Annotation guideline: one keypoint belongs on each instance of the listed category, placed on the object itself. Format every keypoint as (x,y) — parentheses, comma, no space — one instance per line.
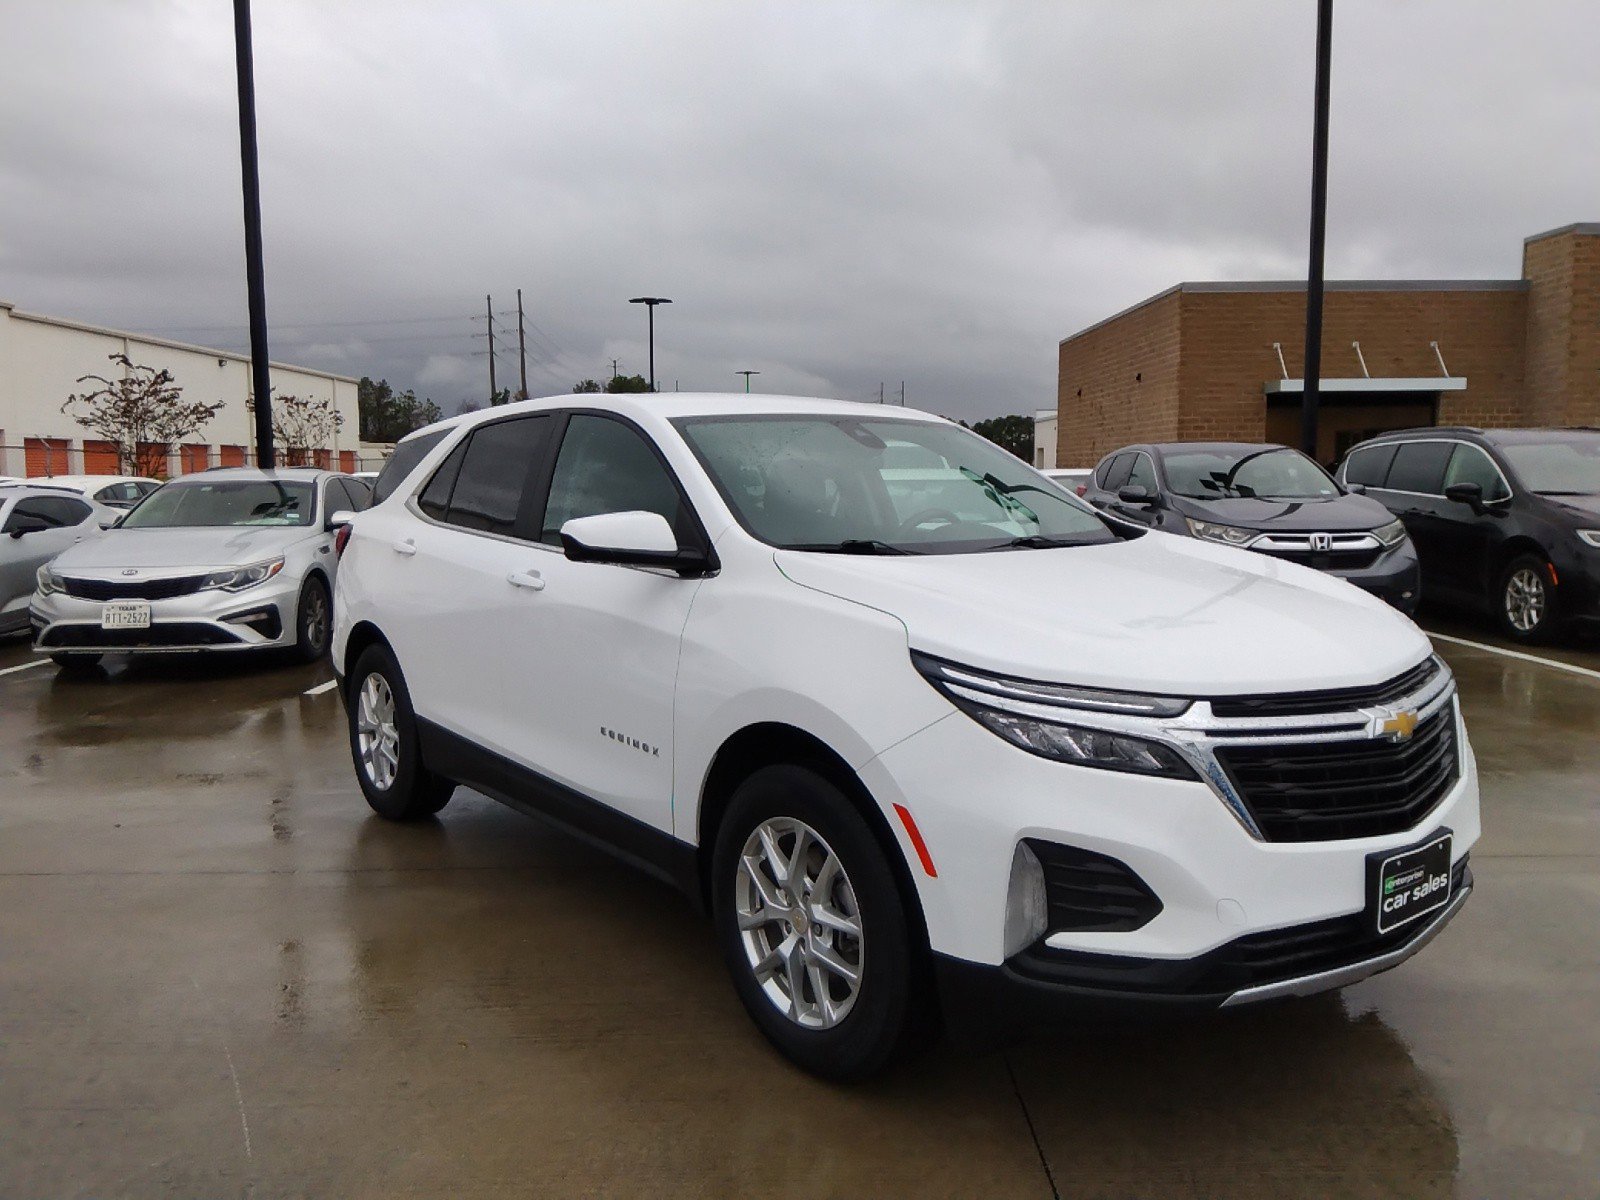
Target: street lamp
(747,375)
(650,303)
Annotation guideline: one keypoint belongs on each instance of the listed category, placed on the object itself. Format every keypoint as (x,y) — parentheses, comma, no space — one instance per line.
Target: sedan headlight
(1592,536)
(236,579)
(1037,717)
(1391,534)
(49,582)
(1228,535)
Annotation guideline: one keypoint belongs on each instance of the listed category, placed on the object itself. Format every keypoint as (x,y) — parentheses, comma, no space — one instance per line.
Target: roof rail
(1427,429)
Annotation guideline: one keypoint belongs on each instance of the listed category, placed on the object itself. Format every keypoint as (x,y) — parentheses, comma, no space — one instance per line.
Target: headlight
(1391,534)
(1037,718)
(1592,536)
(236,579)
(1228,535)
(49,582)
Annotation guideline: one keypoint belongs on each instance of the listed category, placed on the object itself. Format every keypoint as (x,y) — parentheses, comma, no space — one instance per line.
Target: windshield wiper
(1037,541)
(851,546)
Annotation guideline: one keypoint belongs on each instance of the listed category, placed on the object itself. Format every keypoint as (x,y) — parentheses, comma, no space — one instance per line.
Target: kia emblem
(130,571)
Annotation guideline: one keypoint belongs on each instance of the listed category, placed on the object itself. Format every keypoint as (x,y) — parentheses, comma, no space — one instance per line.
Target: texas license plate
(1410,884)
(125,614)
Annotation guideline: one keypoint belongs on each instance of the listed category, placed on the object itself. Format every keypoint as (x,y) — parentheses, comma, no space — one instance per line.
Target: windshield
(1566,465)
(888,487)
(217,502)
(1274,473)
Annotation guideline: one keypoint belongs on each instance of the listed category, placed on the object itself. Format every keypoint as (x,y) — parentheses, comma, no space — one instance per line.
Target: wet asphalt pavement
(220,976)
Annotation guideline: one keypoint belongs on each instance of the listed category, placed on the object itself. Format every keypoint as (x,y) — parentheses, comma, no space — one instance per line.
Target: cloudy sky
(835,194)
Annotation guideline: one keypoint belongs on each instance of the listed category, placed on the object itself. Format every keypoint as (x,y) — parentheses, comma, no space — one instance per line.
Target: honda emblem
(1321,543)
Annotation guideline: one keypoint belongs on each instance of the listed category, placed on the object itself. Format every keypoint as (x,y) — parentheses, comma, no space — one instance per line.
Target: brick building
(1224,361)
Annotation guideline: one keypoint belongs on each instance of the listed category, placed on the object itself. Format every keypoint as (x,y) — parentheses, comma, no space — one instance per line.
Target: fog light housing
(1027,907)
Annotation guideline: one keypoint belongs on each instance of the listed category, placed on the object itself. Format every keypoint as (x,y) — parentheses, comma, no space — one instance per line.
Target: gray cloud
(835,194)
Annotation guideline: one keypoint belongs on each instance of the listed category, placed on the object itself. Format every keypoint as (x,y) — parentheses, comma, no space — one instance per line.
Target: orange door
(347,461)
(45,456)
(153,459)
(101,458)
(322,459)
(232,456)
(195,458)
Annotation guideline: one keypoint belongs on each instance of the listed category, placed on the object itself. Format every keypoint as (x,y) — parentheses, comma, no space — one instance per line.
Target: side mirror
(1138,494)
(1470,494)
(1356,489)
(338,520)
(630,539)
(22,525)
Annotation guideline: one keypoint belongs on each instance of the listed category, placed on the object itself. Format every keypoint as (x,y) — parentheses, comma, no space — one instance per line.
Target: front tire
(384,744)
(313,620)
(812,925)
(76,662)
(1525,600)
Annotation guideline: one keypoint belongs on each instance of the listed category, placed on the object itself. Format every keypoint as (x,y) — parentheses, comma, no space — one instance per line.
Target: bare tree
(302,425)
(143,413)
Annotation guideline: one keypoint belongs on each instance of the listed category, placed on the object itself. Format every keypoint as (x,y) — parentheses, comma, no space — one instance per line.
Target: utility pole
(902,393)
(489,308)
(880,393)
(747,375)
(522,347)
(1310,398)
(255,274)
(613,368)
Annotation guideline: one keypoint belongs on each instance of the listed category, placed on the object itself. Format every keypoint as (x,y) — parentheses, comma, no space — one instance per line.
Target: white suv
(928,736)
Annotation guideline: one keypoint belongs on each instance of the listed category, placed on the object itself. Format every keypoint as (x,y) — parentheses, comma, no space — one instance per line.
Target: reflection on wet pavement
(222,977)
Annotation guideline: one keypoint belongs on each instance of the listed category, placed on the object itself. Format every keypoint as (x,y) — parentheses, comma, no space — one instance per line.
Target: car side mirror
(631,539)
(22,525)
(1138,494)
(1470,494)
(1356,489)
(338,520)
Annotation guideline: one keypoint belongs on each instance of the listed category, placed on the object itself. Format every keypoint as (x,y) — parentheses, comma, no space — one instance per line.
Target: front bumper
(258,617)
(1395,578)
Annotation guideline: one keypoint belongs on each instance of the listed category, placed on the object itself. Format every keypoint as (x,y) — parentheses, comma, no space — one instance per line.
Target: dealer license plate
(1410,884)
(125,614)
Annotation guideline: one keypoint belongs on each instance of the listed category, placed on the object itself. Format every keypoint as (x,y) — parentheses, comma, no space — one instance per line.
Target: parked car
(229,559)
(36,524)
(717,635)
(1261,497)
(116,491)
(1505,521)
(1075,481)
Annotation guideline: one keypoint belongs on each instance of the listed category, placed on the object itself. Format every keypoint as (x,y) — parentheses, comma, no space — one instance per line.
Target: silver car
(234,559)
(36,524)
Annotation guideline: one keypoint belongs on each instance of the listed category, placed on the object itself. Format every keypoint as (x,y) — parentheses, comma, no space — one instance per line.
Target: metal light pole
(1309,398)
(255,278)
(747,375)
(650,303)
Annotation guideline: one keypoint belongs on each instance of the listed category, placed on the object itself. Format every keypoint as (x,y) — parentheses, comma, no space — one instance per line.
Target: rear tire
(1525,601)
(839,1028)
(313,621)
(384,744)
(76,662)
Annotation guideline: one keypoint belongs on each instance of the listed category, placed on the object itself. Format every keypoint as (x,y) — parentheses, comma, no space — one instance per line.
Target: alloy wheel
(316,622)
(1525,600)
(377,735)
(799,923)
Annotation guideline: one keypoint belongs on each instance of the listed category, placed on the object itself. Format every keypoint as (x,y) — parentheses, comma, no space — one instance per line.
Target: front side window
(882,486)
(1117,472)
(1273,473)
(606,467)
(1567,464)
(214,503)
(1143,474)
(55,511)
(1471,465)
(1419,467)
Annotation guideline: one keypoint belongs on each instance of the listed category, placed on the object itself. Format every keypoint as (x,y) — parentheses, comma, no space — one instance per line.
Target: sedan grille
(165,635)
(1313,792)
(132,589)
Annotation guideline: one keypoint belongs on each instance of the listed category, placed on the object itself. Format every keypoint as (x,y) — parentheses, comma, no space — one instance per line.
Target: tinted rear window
(402,462)
(1419,467)
(1369,467)
(494,471)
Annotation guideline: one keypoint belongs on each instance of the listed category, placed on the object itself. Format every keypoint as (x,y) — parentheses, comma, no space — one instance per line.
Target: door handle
(406,547)
(531,580)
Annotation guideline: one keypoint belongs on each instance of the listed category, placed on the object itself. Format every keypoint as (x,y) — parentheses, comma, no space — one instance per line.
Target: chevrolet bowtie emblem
(1398,726)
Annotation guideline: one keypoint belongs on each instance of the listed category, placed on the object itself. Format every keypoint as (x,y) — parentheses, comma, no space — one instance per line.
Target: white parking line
(1533,658)
(43,662)
(321,687)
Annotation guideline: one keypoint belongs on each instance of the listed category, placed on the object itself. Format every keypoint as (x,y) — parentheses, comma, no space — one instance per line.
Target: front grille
(1254,960)
(1321,791)
(1085,890)
(132,589)
(1333,700)
(164,634)
(1329,560)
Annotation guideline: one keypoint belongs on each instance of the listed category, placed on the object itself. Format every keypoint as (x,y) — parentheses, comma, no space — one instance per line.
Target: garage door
(195,458)
(153,459)
(231,456)
(100,458)
(347,461)
(45,456)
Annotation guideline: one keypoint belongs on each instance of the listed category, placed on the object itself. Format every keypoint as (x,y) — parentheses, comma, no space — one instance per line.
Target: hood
(1160,614)
(1328,514)
(1580,508)
(169,551)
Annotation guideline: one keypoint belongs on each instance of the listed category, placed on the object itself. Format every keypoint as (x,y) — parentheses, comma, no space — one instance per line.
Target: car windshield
(224,502)
(882,487)
(1271,473)
(1566,465)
